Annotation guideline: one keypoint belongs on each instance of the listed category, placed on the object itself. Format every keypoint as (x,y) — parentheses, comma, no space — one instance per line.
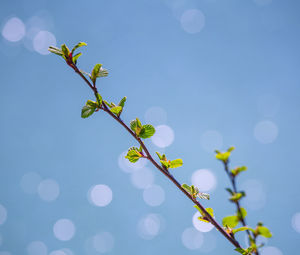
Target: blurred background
(207,74)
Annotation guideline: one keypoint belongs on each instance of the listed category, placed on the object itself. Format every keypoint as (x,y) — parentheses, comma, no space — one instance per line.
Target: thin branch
(150,158)
(237,203)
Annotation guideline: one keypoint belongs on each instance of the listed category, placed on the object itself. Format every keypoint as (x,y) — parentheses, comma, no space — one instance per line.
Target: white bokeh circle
(204,180)
(37,248)
(201,225)
(154,195)
(142,178)
(14,30)
(192,21)
(163,137)
(100,195)
(266,131)
(42,41)
(103,242)
(149,226)
(192,238)
(64,229)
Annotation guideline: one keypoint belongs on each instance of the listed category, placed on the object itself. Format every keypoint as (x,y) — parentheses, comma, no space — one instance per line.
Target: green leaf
(203,216)
(264,231)
(55,50)
(237,170)
(99,99)
(133,155)
(92,103)
(116,110)
(186,187)
(242,214)
(242,251)
(87,111)
(223,156)
(147,131)
(136,126)
(74,59)
(231,149)
(95,72)
(122,102)
(229,190)
(202,195)
(176,163)
(239,229)
(166,164)
(65,50)
(237,196)
(230,221)
(80,44)
(159,156)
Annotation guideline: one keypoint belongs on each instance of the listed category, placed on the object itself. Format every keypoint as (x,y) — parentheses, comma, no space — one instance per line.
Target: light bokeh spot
(129,167)
(266,132)
(149,226)
(142,178)
(270,250)
(3,214)
(37,248)
(192,21)
(42,41)
(192,238)
(30,182)
(103,242)
(204,180)
(13,30)
(48,190)
(156,116)
(64,229)
(100,195)
(296,222)
(163,137)
(154,195)
(211,140)
(201,225)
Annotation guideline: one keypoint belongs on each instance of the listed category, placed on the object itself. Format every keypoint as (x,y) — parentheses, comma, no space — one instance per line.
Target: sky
(208,74)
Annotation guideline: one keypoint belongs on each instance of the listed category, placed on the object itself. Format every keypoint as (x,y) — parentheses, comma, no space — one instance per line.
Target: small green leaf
(95,72)
(176,163)
(264,231)
(75,58)
(80,44)
(136,126)
(231,149)
(87,111)
(65,51)
(241,251)
(229,190)
(122,102)
(133,155)
(242,214)
(203,215)
(237,196)
(239,229)
(238,170)
(186,187)
(159,156)
(223,156)
(92,103)
(55,50)
(166,164)
(202,195)
(230,221)
(116,110)
(147,131)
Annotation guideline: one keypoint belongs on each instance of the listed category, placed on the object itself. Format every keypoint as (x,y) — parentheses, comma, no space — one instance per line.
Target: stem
(237,203)
(150,158)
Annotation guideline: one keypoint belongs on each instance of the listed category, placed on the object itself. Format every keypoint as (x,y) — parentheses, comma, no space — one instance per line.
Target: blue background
(211,80)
